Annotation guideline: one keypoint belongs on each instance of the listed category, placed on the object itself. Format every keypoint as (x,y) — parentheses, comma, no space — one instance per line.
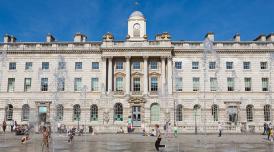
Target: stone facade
(153,81)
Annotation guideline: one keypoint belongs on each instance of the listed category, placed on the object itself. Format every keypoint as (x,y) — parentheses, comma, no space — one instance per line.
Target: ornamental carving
(136,100)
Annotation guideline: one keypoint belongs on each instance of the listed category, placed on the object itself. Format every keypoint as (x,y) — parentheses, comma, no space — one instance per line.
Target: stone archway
(137,112)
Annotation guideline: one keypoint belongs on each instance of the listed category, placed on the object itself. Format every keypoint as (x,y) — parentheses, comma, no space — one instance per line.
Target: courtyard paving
(139,143)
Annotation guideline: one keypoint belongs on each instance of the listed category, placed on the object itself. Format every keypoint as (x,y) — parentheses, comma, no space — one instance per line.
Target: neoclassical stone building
(100,84)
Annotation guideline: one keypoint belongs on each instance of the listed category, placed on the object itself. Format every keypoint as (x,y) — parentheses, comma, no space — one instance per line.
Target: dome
(137,14)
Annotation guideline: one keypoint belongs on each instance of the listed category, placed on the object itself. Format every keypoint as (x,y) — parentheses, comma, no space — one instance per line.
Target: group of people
(13,124)
(268,130)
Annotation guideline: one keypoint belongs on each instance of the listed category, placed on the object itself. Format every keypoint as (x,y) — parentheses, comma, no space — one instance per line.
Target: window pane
(119,84)
(153,65)
(136,65)
(230,84)
(78,65)
(27,85)
(154,84)
(28,66)
(11,84)
(119,65)
(247,84)
(263,65)
(212,65)
(179,84)
(77,84)
(95,65)
(229,65)
(12,66)
(44,84)
(213,84)
(178,65)
(246,65)
(264,84)
(136,84)
(94,84)
(118,112)
(214,112)
(196,83)
(45,65)
(93,113)
(195,65)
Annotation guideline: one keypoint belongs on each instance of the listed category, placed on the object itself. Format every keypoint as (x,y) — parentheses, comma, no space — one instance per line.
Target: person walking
(11,125)
(4,126)
(45,143)
(265,128)
(129,124)
(220,128)
(159,138)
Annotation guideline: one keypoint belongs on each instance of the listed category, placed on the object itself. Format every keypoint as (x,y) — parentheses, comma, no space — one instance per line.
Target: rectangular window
(27,84)
(78,65)
(263,65)
(94,84)
(45,65)
(77,84)
(195,65)
(44,84)
(230,84)
(264,84)
(154,84)
(61,65)
(61,84)
(213,84)
(196,83)
(247,84)
(28,66)
(119,84)
(119,65)
(136,84)
(246,65)
(153,65)
(11,84)
(12,66)
(229,65)
(136,65)
(179,84)
(95,65)
(178,65)
(212,65)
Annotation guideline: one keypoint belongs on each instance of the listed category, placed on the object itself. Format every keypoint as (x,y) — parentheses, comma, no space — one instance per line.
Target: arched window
(179,113)
(59,112)
(155,112)
(267,113)
(93,112)
(249,113)
(25,112)
(118,112)
(197,112)
(9,112)
(76,112)
(215,112)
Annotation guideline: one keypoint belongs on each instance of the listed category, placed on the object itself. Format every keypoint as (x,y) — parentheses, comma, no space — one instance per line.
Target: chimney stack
(261,38)
(237,37)
(78,37)
(270,37)
(50,38)
(210,36)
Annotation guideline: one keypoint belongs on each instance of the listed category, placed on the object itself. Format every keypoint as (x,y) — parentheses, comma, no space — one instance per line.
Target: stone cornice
(122,49)
(225,50)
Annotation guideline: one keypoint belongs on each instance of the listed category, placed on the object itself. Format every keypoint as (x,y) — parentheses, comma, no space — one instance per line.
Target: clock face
(136,26)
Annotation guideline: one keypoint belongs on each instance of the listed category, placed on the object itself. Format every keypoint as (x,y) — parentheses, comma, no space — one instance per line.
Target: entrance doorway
(42,115)
(233,114)
(136,116)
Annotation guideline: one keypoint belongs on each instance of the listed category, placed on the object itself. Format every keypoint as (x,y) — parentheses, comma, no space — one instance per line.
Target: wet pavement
(138,143)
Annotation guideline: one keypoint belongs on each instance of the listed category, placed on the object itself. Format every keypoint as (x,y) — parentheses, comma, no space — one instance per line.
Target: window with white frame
(44,84)
(179,84)
(264,84)
(178,65)
(263,65)
(76,112)
(119,84)
(78,65)
(179,113)
(213,84)
(94,84)
(27,84)
(61,84)
(229,65)
(230,84)
(25,112)
(118,112)
(247,84)
(196,83)
(267,113)
(11,84)
(212,65)
(9,112)
(95,65)
(246,65)
(195,65)
(215,112)
(12,66)
(136,84)
(119,65)
(28,66)
(59,112)
(249,113)
(45,65)
(153,65)
(153,84)
(61,65)
(93,112)
(77,84)
(136,65)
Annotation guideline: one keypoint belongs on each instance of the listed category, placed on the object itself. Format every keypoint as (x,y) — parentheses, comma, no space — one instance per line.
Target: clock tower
(137,27)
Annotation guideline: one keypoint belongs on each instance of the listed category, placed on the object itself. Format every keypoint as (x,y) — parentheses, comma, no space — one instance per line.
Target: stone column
(109,75)
(104,75)
(127,75)
(145,76)
(169,75)
(163,74)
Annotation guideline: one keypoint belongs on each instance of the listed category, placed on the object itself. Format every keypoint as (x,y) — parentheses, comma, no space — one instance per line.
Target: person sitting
(152,133)
(25,138)
(120,131)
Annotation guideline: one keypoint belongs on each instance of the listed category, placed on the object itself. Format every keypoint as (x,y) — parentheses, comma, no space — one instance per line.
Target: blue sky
(31,20)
